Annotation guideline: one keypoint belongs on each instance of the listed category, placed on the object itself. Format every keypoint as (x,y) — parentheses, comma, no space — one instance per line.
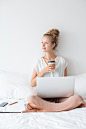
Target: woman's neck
(50,56)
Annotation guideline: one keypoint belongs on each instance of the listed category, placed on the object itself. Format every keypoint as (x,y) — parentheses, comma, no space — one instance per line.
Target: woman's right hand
(49,68)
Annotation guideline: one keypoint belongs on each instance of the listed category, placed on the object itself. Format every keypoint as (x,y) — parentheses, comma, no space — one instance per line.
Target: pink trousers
(57,104)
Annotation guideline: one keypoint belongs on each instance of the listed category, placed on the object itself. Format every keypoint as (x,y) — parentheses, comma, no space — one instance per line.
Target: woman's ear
(53,45)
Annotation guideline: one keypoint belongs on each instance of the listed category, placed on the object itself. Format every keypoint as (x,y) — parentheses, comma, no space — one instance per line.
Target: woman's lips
(43,48)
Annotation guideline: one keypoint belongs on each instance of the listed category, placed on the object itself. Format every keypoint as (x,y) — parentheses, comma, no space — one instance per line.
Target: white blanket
(72,119)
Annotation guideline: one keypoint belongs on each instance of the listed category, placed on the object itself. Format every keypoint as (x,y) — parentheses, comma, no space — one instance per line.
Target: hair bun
(54,32)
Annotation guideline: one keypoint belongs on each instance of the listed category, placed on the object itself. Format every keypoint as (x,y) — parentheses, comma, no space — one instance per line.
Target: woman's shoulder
(61,59)
(39,60)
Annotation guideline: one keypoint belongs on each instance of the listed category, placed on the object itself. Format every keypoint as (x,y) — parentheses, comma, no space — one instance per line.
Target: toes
(29,107)
(25,111)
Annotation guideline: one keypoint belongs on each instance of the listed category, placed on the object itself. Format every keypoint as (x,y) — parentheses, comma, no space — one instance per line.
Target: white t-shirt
(60,66)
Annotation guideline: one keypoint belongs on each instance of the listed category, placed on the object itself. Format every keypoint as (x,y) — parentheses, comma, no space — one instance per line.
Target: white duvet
(72,119)
(17,86)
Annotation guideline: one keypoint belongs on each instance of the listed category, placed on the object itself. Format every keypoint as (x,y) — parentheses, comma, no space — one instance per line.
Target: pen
(13,103)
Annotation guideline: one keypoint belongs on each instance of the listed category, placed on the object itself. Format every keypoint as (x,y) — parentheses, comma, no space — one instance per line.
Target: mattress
(72,119)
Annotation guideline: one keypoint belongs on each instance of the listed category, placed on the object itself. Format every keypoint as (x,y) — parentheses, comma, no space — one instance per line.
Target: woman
(42,69)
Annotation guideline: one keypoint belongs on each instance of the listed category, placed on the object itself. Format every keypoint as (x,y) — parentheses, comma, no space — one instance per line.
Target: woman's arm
(43,71)
(65,74)
(34,76)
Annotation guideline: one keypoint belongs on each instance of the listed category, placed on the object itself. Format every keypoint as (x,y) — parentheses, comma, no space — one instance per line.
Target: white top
(60,66)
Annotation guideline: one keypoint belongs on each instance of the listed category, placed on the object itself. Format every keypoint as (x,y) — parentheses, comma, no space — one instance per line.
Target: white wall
(23,23)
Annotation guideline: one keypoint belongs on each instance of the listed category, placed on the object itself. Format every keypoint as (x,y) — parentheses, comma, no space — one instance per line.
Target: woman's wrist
(41,73)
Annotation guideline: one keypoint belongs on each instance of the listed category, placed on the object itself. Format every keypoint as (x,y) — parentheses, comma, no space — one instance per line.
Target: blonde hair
(54,34)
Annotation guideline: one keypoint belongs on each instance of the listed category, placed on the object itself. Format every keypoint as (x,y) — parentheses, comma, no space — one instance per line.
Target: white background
(23,23)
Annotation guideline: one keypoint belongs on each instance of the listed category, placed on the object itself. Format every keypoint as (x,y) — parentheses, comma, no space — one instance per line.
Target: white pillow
(15,85)
(80,85)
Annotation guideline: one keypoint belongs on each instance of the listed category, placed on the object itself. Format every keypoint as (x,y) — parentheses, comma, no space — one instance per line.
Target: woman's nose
(43,44)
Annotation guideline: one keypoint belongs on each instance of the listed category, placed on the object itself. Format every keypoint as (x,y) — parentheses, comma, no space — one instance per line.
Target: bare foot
(27,110)
(29,107)
(34,110)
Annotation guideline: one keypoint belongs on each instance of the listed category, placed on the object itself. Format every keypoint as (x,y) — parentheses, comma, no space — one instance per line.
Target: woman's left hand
(36,92)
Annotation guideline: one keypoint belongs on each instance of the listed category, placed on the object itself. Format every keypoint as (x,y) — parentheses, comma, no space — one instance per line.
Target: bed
(17,87)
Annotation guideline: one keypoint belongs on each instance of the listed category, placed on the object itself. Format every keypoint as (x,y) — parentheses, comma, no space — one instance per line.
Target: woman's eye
(45,42)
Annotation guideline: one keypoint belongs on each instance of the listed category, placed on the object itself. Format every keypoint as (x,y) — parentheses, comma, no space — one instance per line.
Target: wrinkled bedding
(72,119)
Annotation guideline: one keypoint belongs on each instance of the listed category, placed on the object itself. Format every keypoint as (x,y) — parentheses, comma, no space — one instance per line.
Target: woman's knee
(31,98)
(78,97)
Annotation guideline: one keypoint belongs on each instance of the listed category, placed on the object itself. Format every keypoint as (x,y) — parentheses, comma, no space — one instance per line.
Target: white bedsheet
(72,119)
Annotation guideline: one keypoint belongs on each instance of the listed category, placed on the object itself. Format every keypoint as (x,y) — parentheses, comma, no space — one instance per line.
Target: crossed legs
(31,107)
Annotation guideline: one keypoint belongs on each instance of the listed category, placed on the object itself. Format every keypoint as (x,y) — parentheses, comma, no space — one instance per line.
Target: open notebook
(14,108)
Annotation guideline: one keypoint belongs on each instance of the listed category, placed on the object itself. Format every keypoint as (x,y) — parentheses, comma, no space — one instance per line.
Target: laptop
(53,87)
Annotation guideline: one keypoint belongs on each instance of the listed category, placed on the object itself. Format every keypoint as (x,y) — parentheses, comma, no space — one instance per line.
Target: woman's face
(46,44)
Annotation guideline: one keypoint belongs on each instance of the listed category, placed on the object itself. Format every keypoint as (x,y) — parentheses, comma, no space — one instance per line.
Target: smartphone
(3,104)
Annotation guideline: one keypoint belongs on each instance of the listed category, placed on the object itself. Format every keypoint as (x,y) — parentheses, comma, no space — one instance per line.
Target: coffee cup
(50,64)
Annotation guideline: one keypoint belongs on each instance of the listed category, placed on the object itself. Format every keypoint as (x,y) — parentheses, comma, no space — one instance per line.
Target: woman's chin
(43,50)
